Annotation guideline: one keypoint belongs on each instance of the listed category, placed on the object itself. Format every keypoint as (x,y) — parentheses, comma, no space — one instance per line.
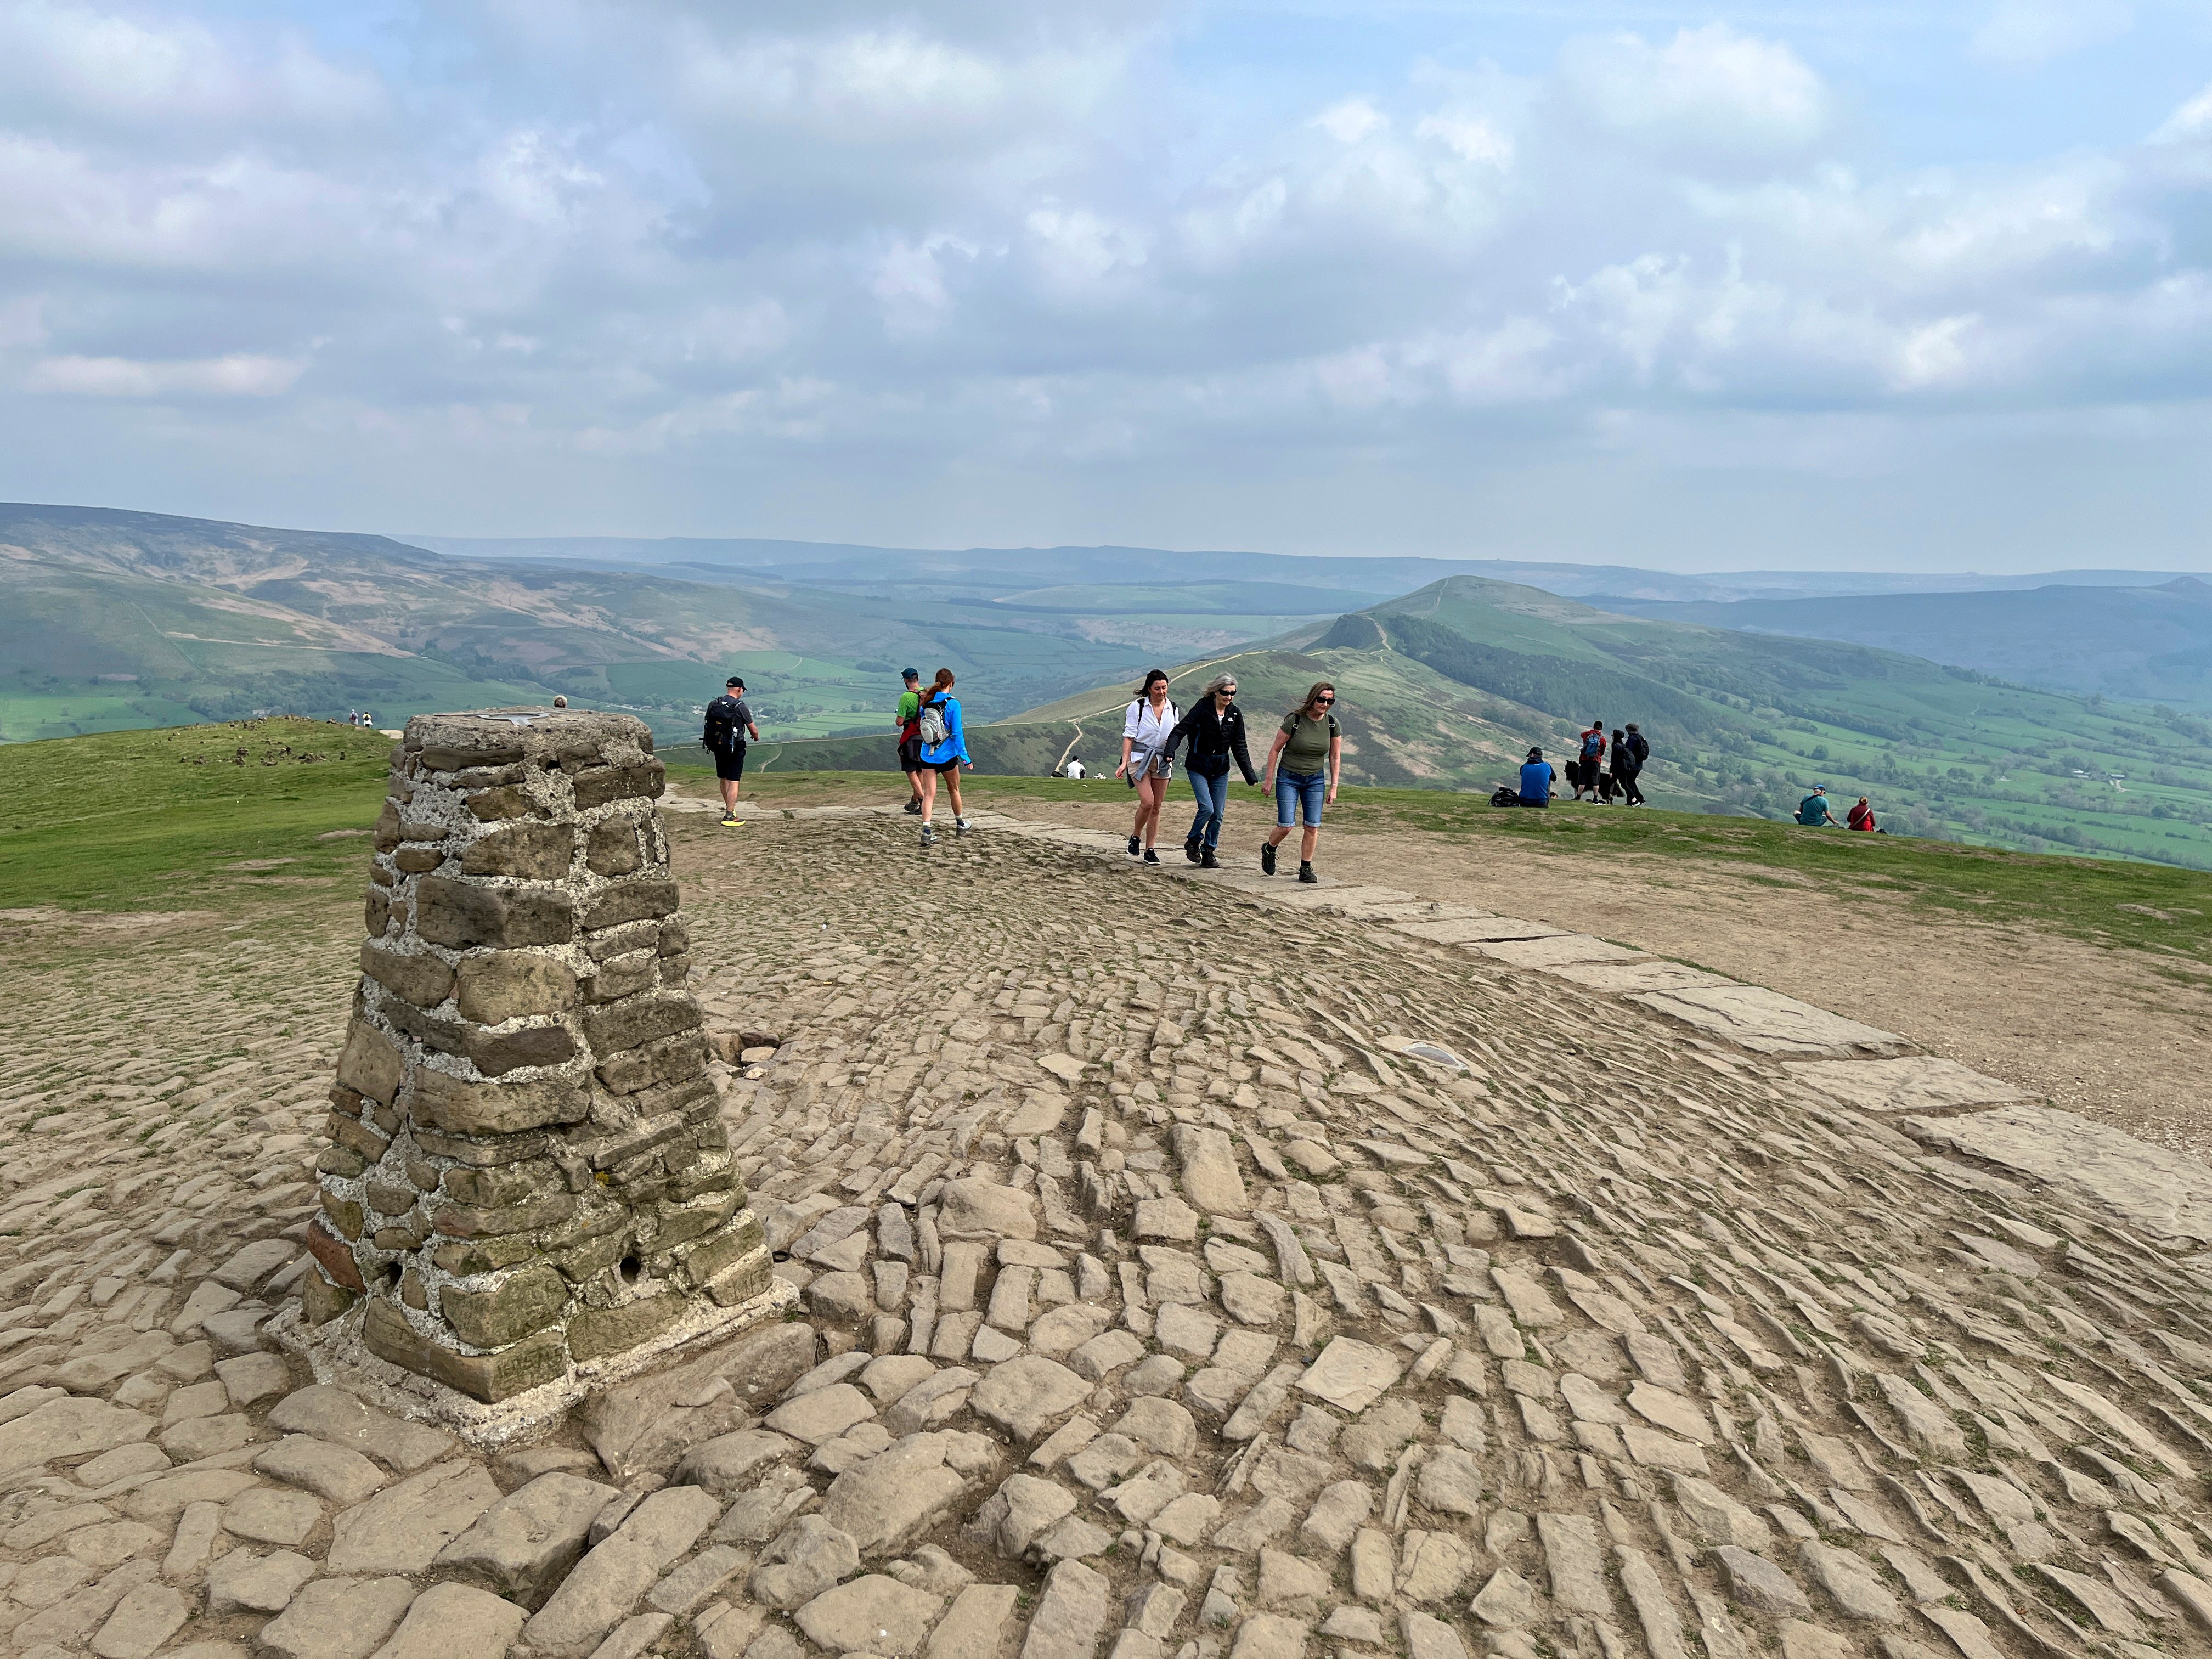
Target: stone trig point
(530,1192)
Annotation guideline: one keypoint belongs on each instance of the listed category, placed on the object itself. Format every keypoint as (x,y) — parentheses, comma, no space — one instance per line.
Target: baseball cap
(909,674)
(734,680)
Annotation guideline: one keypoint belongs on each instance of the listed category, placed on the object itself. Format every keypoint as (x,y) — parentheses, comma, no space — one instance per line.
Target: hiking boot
(1209,862)
(1135,847)
(1191,850)
(1307,876)
(928,836)
(960,826)
(1150,857)
(914,807)
(1266,858)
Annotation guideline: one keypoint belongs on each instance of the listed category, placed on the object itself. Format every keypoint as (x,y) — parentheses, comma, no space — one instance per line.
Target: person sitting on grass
(1813,811)
(1537,777)
(1860,817)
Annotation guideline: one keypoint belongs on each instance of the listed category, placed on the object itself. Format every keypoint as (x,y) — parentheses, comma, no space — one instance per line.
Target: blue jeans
(1212,795)
(1296,789)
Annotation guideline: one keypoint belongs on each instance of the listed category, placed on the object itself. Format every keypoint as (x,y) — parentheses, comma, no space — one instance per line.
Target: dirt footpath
(2097,1030)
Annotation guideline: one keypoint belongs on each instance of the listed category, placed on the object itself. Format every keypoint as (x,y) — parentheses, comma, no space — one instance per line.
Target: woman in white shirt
(1144,762)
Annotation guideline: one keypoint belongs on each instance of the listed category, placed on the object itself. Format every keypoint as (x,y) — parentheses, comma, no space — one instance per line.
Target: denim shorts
(1294,789)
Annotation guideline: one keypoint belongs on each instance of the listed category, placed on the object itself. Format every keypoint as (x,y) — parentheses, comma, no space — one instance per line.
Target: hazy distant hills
(2153,644)
(1009,569)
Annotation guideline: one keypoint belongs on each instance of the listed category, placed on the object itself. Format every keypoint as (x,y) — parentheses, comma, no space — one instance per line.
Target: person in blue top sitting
(943,752)
(1813,811)
(1537,777)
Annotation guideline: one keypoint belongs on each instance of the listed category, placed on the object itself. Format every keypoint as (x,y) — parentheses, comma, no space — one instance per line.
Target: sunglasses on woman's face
(1323,702)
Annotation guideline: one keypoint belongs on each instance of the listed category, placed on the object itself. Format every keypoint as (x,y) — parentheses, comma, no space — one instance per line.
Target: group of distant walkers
(1600,769)
(1302,770)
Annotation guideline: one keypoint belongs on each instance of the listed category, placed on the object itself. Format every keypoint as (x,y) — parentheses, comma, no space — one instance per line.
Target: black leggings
(1628,789)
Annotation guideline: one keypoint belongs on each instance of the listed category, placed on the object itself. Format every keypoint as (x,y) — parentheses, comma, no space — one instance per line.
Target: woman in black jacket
(1216,730)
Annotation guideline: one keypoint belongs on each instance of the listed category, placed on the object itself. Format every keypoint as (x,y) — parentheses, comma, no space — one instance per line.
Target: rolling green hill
(2152,644)
(111,620)
(1446,687)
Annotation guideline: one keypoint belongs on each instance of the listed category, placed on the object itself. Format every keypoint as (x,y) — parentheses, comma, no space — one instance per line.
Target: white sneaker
(960,826)
(928,836)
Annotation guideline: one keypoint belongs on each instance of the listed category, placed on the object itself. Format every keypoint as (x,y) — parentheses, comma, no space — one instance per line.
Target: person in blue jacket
(1537,777)
(943,752)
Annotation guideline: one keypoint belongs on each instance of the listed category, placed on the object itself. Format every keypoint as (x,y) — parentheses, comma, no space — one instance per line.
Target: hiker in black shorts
(908,719)
(729,723)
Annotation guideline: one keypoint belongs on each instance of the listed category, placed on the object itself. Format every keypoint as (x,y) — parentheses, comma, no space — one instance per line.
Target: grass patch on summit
(172,819)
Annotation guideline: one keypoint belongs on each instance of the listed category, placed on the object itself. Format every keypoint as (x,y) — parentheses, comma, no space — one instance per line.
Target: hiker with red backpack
(908,719)
(1588,757)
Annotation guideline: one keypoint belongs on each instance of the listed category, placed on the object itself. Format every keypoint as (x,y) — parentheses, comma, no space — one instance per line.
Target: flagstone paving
(1190,1264)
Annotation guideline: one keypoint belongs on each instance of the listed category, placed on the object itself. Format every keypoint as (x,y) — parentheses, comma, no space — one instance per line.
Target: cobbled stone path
(1190,1268)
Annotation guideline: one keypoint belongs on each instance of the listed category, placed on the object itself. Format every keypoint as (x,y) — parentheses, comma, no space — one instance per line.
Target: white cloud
(2192,120)
(148,72)
(240,376)
(1709,85)
(1351,120)
(671,242)
(2020,33)
(1470,137)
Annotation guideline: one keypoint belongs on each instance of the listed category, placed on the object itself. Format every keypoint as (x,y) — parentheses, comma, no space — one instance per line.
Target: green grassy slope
(187,818)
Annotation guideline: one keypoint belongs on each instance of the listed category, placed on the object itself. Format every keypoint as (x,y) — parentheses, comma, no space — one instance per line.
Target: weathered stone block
(487,1376)
(422,979)
(387,827)
(443,757)
(469,1221)
(417,860)
(481,1255)
(465,1108)
(624,976)
(511,985)
(536,852)
(335,1255)
(523,1302)
(655,1062)
(510,1184)
(492,805)
(370,1064)
(613,848)
(498,1053)
(599,785)
(376,913)
(594,1332)
(461,915)
(616,1027)
(634,901)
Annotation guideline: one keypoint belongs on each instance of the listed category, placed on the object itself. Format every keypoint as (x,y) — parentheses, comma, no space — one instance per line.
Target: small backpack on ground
(1502,796)
(930,725)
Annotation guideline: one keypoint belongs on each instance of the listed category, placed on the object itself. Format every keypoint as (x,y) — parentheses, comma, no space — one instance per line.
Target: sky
(1867,285)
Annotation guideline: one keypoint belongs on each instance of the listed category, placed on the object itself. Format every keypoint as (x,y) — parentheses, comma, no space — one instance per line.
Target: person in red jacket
(1861,816)
(1589,758)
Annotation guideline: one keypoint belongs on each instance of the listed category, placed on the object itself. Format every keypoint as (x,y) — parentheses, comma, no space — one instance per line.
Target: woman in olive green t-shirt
(1308,742)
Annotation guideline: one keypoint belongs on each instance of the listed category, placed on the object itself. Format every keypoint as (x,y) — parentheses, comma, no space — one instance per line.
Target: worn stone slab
(1619,978)
(1767,1023)
(403,1528)
(1479,930)
(2167,1192)
(1557,951)
(449,1620)
(337,1619)
(1913,1083)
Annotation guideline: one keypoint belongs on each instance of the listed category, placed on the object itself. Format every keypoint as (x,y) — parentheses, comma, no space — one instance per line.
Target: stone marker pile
(529,1172)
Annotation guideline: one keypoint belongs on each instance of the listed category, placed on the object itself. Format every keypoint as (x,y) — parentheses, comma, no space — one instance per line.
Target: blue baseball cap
(909,674)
